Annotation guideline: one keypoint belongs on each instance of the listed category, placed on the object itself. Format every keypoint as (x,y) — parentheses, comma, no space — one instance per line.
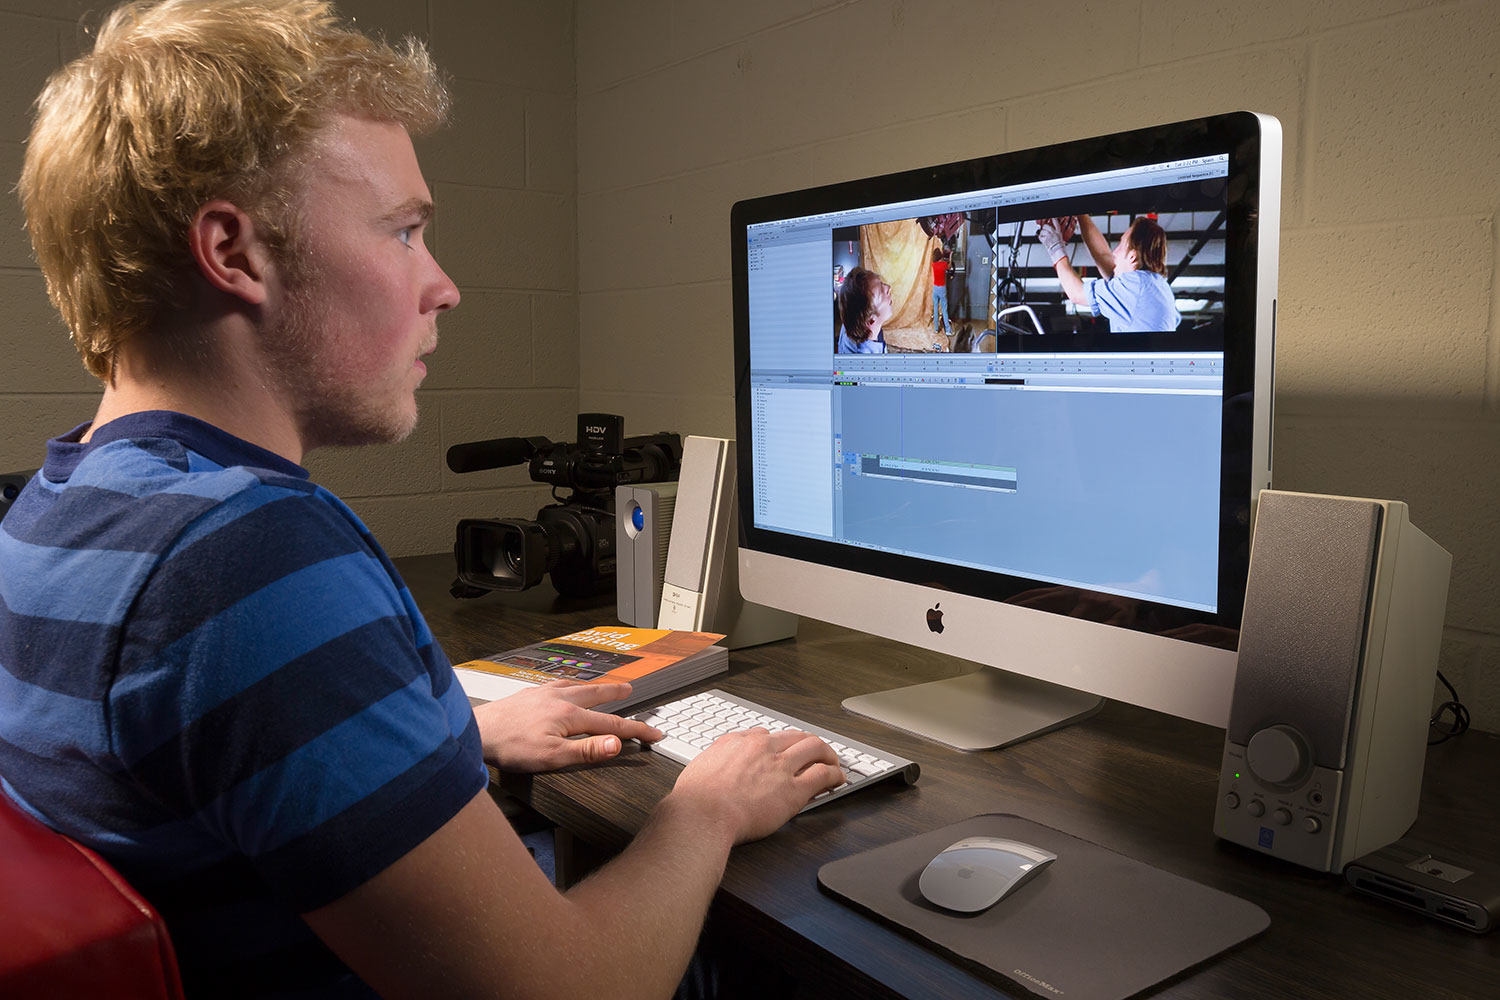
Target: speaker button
(1311,824)
(1232,800)
(1256,807)
(1277,755)
(1282,817)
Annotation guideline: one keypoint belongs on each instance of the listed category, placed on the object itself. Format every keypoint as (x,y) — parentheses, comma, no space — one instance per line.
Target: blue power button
(638,518)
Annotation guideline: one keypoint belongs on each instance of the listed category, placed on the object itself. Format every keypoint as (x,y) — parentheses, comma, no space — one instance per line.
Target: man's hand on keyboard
(758,779)
(530,730)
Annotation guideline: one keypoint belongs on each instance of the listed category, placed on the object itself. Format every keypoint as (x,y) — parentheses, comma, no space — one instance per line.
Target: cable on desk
(1460,723)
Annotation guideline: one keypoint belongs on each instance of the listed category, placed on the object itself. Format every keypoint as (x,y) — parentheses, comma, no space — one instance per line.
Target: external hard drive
(1445,886)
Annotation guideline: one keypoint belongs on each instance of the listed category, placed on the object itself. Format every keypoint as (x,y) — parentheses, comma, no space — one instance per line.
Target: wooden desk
(1132,780)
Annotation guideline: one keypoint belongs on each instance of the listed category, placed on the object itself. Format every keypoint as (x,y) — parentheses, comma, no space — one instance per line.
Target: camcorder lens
(514,552)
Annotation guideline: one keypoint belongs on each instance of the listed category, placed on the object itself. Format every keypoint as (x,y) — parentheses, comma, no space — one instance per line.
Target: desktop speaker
(11,485)
(643,526)
(701,588)
(1333,687)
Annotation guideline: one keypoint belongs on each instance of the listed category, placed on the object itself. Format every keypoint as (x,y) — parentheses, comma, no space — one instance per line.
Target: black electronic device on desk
(573,539)
(1446,886)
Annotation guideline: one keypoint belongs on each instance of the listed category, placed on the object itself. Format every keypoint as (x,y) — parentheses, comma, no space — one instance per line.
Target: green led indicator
(1236,774)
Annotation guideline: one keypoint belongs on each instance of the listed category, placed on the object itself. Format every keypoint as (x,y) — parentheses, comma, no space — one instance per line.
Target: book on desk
(653,661)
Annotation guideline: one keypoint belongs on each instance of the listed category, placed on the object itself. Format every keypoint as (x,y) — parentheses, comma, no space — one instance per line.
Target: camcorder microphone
(496,453)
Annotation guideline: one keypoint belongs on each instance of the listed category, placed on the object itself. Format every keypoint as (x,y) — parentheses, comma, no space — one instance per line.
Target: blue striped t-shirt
(211,674)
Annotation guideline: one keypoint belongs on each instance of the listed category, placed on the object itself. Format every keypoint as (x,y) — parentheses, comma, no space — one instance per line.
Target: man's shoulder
(152,512)
(1129,279)
(156,452)
(144,495)
(1121,286)
(164,465)
(1140,280)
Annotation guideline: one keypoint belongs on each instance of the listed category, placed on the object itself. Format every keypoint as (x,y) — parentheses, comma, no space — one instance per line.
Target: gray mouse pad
(1092,925)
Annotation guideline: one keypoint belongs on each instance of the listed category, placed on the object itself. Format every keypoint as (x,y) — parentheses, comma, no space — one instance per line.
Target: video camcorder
(573,539)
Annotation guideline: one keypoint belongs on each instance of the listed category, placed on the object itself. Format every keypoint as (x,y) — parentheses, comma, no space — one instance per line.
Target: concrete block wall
(584,197)
(503,178)
(1389,363)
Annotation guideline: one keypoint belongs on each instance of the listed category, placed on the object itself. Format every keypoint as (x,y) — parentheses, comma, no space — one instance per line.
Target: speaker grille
(1306,609)
(665,505)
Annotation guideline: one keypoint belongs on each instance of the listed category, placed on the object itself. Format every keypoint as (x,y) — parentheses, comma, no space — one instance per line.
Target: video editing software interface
(1008,428)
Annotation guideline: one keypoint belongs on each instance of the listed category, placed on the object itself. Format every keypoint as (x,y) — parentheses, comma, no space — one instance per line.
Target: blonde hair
(181,102)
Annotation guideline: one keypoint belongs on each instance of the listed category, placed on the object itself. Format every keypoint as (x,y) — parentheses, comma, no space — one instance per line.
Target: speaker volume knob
(1277,755)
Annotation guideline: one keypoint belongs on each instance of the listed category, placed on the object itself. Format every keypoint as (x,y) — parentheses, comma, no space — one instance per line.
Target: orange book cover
(602,654)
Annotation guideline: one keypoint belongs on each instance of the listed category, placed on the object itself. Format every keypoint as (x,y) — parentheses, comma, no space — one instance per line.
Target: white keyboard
(690,724)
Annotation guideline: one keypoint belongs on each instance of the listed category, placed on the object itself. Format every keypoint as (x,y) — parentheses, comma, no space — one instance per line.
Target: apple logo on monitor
(935,617)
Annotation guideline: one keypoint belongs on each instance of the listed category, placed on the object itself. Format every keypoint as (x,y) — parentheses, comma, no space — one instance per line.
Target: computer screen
(1017,408)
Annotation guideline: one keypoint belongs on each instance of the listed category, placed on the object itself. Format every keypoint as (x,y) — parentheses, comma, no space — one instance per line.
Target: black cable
(1460,722)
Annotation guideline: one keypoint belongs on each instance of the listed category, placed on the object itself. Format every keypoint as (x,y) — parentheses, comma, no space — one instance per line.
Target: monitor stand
(983,710)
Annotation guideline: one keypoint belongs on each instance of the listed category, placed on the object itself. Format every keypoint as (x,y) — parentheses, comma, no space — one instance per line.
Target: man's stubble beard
(303,364)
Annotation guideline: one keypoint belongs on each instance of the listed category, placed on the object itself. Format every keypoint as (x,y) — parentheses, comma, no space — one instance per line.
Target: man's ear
(230,254)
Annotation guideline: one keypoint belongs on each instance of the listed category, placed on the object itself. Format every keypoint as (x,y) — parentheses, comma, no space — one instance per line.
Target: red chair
(70,926)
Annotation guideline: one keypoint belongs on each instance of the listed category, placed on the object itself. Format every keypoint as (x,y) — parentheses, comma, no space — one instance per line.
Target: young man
(1133,294)
(864,305)
(211,672)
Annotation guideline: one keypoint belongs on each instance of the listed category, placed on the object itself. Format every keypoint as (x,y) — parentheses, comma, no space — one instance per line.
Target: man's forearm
(1072,284)
(1104,257)
(680,853)
(743,787)
(468,914)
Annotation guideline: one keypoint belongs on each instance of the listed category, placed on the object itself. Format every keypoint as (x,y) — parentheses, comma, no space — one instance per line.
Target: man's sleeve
(1108,297)
(274,690)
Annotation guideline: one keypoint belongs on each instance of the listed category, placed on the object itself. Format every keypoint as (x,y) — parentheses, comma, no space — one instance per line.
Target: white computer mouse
(977,872)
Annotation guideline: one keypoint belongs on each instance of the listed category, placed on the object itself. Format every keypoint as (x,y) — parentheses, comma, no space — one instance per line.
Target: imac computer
(1017,409)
